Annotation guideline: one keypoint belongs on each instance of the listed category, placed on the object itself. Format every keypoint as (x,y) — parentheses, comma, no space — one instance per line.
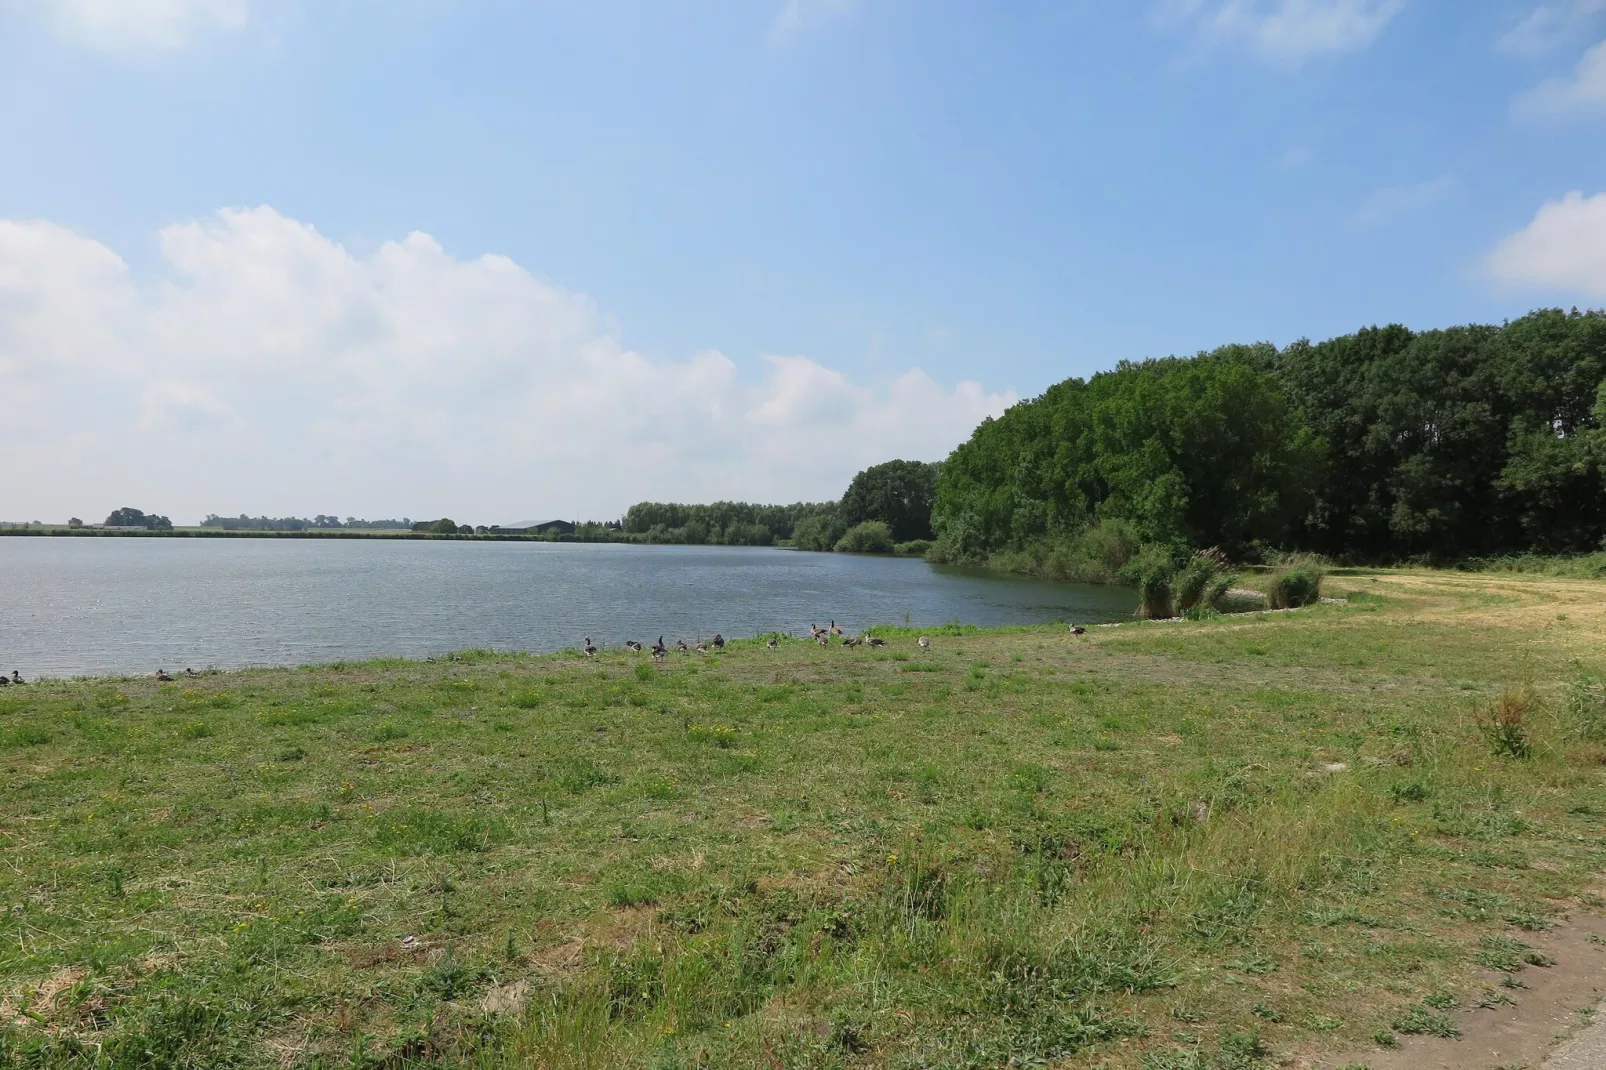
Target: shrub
(1297,583)
(1155,570)
(915,547)
(820,532)
(1504,722)
(870,537)
(1203,582)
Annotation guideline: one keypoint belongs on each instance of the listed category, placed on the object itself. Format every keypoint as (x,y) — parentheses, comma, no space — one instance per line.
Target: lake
(94,606)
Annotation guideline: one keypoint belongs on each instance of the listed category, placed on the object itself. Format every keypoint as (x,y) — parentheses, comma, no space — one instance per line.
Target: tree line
(885,508)
(1377,446)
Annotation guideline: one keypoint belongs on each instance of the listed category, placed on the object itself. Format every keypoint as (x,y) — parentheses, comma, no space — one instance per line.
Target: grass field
(1208,844)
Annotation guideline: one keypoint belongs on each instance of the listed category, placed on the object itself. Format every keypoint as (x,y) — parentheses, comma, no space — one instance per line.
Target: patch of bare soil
(1509,1037)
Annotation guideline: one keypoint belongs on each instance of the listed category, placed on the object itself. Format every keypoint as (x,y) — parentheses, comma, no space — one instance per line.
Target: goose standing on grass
(16,677)
(719,641)
(659,648)
(1077,629)
(589,650)
(850,641)
(701,648)
(162,677)
(868,638)
(834,629)
(633,645)
(815,631)
(680,645)
(925,644)
(4,679)
(772,642)
(659,653)
(823,639)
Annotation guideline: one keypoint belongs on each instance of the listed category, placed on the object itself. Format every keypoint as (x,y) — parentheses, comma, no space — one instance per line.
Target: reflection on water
(76,606)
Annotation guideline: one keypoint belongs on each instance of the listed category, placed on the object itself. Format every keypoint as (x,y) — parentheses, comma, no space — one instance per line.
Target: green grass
(1200,843)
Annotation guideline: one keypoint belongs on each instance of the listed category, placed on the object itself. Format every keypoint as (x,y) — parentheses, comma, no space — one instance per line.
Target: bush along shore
(1214,843)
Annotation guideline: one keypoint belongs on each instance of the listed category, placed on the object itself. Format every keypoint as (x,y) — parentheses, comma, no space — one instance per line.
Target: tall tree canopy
(1205,451)
(898,493)
(1377,445)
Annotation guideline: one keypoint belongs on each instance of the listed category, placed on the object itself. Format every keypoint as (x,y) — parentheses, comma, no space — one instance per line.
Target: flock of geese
(817,634)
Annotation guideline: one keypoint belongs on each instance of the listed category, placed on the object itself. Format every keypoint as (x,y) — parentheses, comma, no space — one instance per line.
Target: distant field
(1176,845)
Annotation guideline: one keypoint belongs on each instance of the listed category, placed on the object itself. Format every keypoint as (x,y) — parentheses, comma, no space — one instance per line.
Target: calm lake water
(75,606)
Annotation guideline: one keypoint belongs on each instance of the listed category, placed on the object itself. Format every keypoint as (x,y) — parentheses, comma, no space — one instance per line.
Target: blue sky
(993,195)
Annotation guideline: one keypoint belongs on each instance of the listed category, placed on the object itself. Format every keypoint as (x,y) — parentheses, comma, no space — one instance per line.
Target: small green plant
(1419,1021)
(1504,723)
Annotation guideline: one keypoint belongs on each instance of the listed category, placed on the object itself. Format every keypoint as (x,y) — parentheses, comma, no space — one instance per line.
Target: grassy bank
(1192,844)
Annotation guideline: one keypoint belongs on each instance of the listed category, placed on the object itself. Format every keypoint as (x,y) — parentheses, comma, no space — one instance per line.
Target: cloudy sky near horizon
(506,260)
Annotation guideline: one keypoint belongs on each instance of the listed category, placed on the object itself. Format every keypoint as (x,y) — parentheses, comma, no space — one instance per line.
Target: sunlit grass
(1210,840)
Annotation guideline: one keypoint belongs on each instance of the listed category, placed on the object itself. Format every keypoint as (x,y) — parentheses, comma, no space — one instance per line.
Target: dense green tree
(128,517)
(1203,451)
(818,532)
(721,524)
(900,494)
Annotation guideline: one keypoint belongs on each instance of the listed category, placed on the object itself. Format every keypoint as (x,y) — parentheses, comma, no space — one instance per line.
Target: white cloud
(1584,91)
(137,25)
(1563,249)
(1284,32)
(1549,26)
(797,14)
(1394,201)
(269,369)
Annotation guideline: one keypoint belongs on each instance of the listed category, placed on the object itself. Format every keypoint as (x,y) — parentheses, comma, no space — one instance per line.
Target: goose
(815,631)
(772,642)
(719,641)
(633,645)
(1077,629)
(659,648)
(190,672)
(873,641)
(659,653)
(851,641)
(16,677)
(161,676)
(823,639)
(4,680)
(701,648)
(834,629)
(589,650)
(680,645)
(925,644)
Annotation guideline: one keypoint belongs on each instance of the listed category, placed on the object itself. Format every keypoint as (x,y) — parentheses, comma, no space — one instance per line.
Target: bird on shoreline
(822,639)
(868,638)
(4,680)
(162,677)
(190,672)
(680,645)
(772,642)
(659,653)
(835,631)
(850,641)
(589,650)
(925,644)
(1077,629)
(719,641)
(633,645)
(701,648)
(16,677)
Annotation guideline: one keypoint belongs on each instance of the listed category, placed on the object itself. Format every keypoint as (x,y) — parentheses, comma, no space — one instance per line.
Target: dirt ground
(1557,1003)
